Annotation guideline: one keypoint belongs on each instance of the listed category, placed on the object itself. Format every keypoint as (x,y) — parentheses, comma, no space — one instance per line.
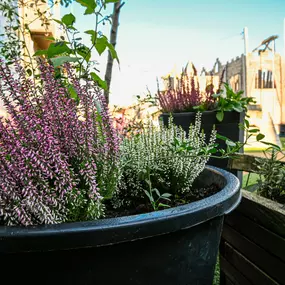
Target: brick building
(255,74)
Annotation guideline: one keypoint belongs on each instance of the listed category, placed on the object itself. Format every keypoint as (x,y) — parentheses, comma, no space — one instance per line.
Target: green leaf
(40,52)
(101,44)
(57,61)
(57,49)
(84,52)
(220,116)
(73,94)
(272,144)
(156,191)
(111,1)
(212,150)
(29,72)
(113,52)
(89,4)
(230,143)
(216,95)
(68,19)
(93,35)
(96,78)
(254,131)
(50,38)
(163,205)
(58,21)
(259,137)
(246,123)
(148,195)
(221,137)
(238,109)
(166,195)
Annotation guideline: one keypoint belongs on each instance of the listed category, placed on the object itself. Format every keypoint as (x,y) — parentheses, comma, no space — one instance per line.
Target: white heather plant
(161,160)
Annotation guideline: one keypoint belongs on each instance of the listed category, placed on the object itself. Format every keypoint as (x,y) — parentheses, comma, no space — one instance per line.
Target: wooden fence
(252,249)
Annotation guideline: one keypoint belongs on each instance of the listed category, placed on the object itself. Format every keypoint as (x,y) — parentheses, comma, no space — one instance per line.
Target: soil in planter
(194,195)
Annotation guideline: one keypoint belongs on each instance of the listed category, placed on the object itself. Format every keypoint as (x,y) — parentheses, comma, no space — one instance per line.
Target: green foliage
(89,4)
(58,61)
(156,203)
(67,48)
(68,20)
(271,182)
(96,78)
(231,101)
(161,160)
(58,48)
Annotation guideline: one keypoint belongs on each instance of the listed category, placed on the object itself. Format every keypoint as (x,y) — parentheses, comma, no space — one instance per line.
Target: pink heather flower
(186,96)
(58,155)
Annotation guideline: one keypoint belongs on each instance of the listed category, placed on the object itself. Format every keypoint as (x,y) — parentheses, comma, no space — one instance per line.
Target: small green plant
(155,202)
(271,182)
(230,101)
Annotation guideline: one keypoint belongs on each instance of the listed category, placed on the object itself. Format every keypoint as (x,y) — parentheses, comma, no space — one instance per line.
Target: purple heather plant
(58,148)
(187,96)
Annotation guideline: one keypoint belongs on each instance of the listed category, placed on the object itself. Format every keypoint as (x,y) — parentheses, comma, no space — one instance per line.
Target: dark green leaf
(96,78)
(50,38)
(101,44)
(68,19)
(57,61)
(113,52)
(89,4)
(259,137)
(220,116)
(29,72)
(218,136)
(73,94)
(273,145)
(254,131)
(58,21)
(40,52)
(57,49)
(84,52)
(93,35)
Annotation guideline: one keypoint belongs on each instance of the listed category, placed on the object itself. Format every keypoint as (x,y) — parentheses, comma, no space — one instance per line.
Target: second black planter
(229,128)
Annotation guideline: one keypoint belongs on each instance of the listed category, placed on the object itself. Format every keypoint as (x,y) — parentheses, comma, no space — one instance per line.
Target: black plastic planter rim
(188,113)
(116,230)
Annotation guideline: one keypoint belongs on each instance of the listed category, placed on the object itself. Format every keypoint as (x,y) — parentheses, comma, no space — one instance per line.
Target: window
(263,79)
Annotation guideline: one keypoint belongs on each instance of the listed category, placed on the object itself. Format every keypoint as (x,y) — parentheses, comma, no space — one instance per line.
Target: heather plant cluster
(58,148)
(163,158)
(187,96)
(61,159)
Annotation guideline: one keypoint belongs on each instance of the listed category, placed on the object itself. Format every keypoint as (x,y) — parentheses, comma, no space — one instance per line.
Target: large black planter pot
(229,128)
(176,246)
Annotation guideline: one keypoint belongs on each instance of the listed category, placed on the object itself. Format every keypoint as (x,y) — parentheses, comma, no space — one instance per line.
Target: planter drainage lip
(116,230)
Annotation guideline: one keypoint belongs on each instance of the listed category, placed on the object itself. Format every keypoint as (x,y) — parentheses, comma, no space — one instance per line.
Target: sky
(157,37)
